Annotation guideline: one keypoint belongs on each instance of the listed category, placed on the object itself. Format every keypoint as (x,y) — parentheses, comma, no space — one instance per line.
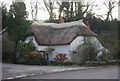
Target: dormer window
(31,40)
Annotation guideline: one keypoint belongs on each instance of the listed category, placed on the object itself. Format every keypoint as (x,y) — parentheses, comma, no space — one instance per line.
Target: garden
(26,54)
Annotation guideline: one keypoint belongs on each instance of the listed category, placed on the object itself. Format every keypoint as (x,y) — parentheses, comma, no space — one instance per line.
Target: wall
(78,53)
(95,41)
(67,49)
(60,49)
(76,42)
(34,41)
(57,49)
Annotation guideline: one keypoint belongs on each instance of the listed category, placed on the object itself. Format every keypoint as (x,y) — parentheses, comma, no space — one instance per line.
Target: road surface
(12,71)
(103,72)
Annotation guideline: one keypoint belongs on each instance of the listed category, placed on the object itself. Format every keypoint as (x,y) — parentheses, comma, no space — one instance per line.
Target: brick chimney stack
(85,20)
(61,20)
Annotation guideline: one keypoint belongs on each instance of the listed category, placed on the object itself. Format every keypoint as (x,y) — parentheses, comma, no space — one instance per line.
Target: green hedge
(8,52)
(85,63)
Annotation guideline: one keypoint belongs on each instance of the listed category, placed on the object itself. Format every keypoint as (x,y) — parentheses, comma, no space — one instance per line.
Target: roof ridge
(60,25)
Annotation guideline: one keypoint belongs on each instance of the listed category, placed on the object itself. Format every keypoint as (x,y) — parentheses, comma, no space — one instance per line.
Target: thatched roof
(58,34)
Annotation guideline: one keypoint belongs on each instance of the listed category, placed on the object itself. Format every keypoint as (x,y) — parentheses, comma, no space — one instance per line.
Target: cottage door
(47,57)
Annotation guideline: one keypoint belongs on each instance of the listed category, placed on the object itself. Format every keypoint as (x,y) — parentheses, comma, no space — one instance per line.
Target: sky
(43,14)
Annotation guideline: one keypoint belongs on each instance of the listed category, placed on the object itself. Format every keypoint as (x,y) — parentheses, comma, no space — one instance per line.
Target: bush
(65,63)
(95,63)
(8,50)
(36,58)
(85,52)
(27,55)
(22,50)
(85,63)
(60,57)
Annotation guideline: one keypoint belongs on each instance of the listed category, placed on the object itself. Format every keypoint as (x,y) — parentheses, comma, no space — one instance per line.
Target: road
(104,72)
(12,71)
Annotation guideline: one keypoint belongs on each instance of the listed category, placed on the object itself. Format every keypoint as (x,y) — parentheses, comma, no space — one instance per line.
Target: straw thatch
(58,34)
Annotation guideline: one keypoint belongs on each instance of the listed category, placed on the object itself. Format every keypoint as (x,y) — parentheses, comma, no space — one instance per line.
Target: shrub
(60,57)
(36,58)
(61,63)
(22,50)
(95,63)
(107,57)
(8,52)
(85,63)
(85,52)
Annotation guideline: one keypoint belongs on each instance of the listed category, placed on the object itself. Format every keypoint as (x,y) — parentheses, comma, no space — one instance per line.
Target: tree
(17,23)
(4,15)
(64,7)
(75,10)
(79,11)
(34,9)
(50,7)
(110,4)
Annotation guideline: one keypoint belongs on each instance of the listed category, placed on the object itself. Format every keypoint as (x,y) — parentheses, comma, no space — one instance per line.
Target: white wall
(57,49)
(95,41)
(34,41)
(80,40)
(65,48)
(60,49)
(76,42)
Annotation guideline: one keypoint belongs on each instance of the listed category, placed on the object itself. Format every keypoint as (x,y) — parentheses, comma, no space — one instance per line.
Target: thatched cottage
(60,38)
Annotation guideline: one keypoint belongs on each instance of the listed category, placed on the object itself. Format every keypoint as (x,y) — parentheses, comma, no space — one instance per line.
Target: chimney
(85,20)
(61,20)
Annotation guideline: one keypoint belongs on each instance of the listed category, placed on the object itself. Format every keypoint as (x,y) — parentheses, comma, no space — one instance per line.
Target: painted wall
(65,48)
(57,49)
(95,41)
(33,41)
(60,49)
(76,42)
(80,40)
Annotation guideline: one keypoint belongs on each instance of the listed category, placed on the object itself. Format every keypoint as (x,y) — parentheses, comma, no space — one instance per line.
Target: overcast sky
(43,15)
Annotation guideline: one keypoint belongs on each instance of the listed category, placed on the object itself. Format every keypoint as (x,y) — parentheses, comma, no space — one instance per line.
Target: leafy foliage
(4,16)
(71,10)
(60,57)
(85,63)
(107,33)
(22,50)
(35,57)
(85,52)
(8,52)
(17,23)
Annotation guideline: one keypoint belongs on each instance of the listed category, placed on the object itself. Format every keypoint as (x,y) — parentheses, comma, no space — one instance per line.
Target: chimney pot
(61,20)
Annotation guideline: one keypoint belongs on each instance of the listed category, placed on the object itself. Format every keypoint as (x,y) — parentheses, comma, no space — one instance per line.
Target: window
(31,40)
(86,40)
